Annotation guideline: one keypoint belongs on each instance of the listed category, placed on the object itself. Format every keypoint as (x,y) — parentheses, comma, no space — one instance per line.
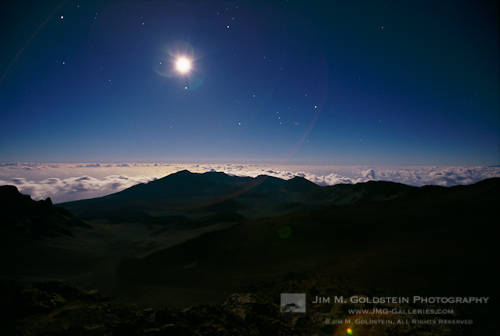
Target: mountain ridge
(193,195)
(454,223)
(24,216)
(383,237)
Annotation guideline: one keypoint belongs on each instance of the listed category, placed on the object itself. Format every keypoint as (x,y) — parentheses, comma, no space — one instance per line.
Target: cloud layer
(74,188)
(67,182)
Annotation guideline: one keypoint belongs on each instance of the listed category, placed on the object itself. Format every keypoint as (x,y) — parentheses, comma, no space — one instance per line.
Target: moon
(183,65)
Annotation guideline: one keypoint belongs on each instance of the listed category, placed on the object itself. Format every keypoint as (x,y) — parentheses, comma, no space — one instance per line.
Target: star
(61,17)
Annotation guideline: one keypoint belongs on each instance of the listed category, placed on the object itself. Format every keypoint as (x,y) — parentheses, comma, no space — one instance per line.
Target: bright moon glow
(183,65)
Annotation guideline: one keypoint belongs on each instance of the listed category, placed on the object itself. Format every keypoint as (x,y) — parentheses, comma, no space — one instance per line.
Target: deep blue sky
(393,82)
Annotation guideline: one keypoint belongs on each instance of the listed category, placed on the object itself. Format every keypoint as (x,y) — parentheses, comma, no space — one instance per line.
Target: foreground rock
(54,308)
(21,216)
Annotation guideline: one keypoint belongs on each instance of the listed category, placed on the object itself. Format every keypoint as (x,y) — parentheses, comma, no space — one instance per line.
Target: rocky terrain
(54,308)
(23,216)
(220,269)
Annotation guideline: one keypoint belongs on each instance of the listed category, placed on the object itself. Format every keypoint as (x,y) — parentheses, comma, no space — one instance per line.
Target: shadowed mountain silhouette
(369,239)
(184,188)
(35,219)
(393,236)
(185,193)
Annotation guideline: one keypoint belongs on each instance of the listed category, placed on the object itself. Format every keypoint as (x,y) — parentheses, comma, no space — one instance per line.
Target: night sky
(333,82)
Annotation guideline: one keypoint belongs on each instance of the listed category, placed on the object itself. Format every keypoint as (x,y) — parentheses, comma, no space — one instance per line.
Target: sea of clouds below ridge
(72,181)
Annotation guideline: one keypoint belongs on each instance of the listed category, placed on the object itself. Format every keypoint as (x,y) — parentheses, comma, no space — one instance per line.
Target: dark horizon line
(264,176)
